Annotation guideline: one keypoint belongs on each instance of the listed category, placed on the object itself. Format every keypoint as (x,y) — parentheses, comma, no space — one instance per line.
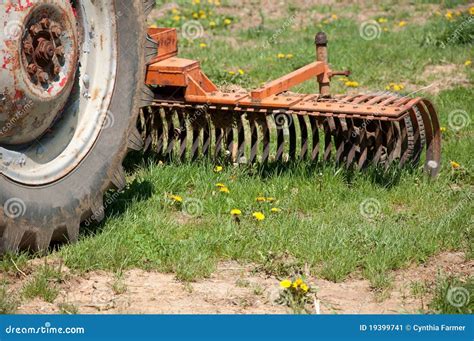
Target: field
(370,242)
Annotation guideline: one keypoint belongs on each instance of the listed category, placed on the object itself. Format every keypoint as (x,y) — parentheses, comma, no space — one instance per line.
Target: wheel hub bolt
(55,30)
(45,23)
(35,29)
(43,77)
(28,47)
(32,69)
(59,51)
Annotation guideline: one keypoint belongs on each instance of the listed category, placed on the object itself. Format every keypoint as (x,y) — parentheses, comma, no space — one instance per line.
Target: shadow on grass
(116,203)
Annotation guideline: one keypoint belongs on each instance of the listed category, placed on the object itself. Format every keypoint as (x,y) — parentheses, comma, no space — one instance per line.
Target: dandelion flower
(297,283)
(202,45)
(212,24)
(218,169)
(467,62)
(289,56)
(196,2)
(241,72)
(382,20)
(235,212)
(176,198)
(195,15)
(351,84)
(227,21)
(471,10)
(449,15)
(258,216)
(261,199)
(402,23)
(270,199)
(280,55)
(275,210)
(304,287)
(220,185)
(285,283)
(224,190)
(231,73)
(455,165)
(442,129)
(176,18)
(334,16)
(175,11)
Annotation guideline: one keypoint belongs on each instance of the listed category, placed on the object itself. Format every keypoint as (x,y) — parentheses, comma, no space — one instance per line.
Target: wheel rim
(75,89)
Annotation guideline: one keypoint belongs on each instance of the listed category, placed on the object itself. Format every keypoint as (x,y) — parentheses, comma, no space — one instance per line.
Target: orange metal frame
(168,70)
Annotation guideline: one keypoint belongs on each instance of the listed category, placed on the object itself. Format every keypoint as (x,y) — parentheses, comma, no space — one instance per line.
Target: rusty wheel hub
(44,51)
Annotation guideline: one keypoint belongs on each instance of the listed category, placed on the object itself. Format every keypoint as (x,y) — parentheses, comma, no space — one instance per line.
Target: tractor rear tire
(32,216)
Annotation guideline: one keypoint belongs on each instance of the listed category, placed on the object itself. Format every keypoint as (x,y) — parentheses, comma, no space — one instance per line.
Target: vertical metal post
(322,56)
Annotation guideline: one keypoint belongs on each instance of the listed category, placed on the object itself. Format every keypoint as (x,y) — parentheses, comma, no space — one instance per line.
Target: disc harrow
(187,116)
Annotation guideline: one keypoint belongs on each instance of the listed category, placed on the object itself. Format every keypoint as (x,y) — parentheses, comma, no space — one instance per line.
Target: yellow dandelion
(402,23)
(235,212)
(196,2)
(241,72)
(195,15)
(220,185)
(352,84)
(467,62)
(471,10)
(442,129)
(285,283)
(304,287)
(270,199)
(212,24)
(297,283)
(224,190)
(261,199)
(227,21)
(289,56)
(455,165)
(258,216)
(175,11)
(385,29)
(232,73)
(176,18)
(218,169)
(281,55)
(334,17)
(176,198)
(275,210)
(203,45)
(382,20)
(449,15)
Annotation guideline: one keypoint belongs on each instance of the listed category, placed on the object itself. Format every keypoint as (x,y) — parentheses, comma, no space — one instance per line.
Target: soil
(238,289)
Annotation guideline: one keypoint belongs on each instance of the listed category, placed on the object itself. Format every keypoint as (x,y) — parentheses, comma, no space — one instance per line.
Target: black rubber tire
(55,212)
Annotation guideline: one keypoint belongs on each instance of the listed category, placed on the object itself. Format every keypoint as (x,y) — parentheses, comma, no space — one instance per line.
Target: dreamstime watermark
(47,329)
(13,29)
(458,32)
(99,213)
(370,30)
(370,208)
(14,208)
(192,30)
(193,207)
(283,120)
(272,40)
(458,119)
(11,123)
(458,297)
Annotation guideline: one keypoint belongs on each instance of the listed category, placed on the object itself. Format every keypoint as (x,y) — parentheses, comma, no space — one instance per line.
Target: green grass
(453,295)
(320,224)
(43,284)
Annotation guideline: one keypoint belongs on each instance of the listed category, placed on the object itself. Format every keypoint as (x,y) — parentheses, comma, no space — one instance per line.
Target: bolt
(59,51)
(43,77)
(35,29)
(45,23)
(31,69)
(28,47)
(56,70)
(55,29)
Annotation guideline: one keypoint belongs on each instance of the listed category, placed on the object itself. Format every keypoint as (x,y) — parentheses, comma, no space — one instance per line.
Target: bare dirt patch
(236,289)
(445,77)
